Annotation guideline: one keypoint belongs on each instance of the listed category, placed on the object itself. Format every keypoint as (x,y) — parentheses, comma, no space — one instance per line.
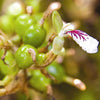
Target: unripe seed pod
(35,36)
(16,9)
(23,56)
(41,58)
(6,24)
(57,71)
(22,23)
(8,66)
(38,80)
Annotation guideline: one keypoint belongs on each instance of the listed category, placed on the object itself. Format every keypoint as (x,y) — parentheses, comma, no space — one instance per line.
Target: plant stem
(75,82)
(52,7)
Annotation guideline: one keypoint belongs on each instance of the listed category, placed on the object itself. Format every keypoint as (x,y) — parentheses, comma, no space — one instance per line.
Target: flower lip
(86,42)
(78,34)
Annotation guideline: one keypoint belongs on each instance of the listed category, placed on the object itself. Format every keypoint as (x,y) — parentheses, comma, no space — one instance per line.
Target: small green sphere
(8,66)
(7,24)
(57,71)
(41,58)
(39,81)
(38,17)
(35,36)
(23,57)
(15,9)
(22,23)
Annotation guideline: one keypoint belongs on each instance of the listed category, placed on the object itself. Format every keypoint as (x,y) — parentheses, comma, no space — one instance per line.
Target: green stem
(6,80)
(52,7)
(50,57)
(75,82)
(2,91)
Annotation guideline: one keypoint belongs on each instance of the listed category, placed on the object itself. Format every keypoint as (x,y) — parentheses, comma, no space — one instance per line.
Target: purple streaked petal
(86,42)
(78,33)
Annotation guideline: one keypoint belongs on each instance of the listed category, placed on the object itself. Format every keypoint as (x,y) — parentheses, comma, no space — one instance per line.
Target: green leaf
(57,22)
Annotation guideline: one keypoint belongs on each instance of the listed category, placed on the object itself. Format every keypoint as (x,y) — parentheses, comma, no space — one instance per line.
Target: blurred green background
(82,65)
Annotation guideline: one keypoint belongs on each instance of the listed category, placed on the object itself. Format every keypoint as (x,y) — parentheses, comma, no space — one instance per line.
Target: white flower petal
(68,26)
(86,42)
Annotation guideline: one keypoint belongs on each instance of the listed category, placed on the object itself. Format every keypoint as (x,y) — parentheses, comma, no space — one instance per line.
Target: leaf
(57,21)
